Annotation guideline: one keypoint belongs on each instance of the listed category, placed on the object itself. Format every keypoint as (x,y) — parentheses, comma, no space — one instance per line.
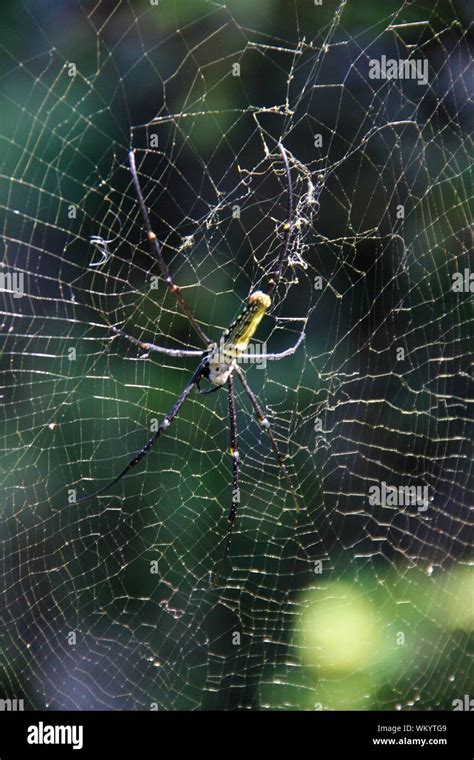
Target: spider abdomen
(235,340)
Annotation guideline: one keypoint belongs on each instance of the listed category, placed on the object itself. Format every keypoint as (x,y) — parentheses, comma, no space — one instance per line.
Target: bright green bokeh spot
(460,600)
(340,632)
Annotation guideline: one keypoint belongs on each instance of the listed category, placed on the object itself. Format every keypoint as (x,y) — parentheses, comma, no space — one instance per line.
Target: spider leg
(273,357)
(260,414)
(155,248)
(164,424)
(180,353)
(234,451)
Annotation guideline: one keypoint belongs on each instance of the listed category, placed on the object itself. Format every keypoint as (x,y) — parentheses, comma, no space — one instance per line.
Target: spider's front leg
(279,355)
(177,352)
(163,426)
(156,251)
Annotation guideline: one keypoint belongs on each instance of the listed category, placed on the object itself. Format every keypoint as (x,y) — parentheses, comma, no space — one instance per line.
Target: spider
(217,362)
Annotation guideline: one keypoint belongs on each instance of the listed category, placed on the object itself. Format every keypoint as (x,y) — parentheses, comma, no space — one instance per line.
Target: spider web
(343,604)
